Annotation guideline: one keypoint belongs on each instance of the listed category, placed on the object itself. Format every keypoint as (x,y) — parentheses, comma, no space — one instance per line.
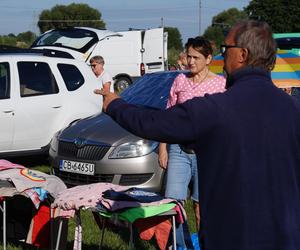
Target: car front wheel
(121,84)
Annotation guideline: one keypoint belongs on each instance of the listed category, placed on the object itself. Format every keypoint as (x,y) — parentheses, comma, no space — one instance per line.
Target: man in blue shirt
(248,142)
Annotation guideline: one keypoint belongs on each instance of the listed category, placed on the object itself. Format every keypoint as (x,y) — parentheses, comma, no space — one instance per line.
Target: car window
(4,81)
(147,89)
(77,39)
(36,78)
(71,75)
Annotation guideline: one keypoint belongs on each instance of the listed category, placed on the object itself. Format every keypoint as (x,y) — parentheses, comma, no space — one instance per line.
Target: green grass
(114,239)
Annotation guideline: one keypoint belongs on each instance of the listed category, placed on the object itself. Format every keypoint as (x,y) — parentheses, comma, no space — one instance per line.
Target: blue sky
(18,16)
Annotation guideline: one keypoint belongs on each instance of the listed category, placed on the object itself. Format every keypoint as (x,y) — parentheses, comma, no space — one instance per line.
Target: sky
(191,17)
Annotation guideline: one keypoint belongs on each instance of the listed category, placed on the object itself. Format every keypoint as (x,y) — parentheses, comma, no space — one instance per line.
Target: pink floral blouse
(184,89)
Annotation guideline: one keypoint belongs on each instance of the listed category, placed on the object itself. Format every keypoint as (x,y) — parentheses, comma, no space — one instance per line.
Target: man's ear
(243,56)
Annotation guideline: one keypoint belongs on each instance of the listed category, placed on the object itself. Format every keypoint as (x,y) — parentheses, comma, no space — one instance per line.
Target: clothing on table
(152,225)
(90,196)
(132,194)
(18,183)
(249,194)
(27,178)
(134,213)
(34,197)
(104,78)
(159,227)
(4,164)
(87,196)
(78,232)
(39,231)
(96,197)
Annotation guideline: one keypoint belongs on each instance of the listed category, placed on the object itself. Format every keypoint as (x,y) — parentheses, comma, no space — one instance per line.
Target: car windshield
(151,90)
(77,39)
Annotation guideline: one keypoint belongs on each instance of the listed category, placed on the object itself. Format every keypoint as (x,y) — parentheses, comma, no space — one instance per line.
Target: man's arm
(106,86)
(171,126)
(182,123)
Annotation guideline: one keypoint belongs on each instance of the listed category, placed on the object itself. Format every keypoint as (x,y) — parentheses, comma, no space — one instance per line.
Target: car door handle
(7,111)
(56,107)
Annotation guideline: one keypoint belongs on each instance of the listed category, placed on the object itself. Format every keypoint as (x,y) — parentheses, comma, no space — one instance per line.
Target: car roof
(12,51)
(151,90)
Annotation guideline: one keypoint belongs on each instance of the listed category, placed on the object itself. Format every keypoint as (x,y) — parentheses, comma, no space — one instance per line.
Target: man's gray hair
(257,37)
(97,59)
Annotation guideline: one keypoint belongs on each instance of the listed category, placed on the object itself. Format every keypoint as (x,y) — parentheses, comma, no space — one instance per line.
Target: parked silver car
(97,149)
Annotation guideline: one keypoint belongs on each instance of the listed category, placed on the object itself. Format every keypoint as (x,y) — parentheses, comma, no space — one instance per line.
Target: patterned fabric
(24,179)
(4,164)
(78,233)
(84,196)
(90,197)
(34,197)
(132,194)
(184,89)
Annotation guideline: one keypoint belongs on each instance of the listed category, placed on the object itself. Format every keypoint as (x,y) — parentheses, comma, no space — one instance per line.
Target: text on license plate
(77,167)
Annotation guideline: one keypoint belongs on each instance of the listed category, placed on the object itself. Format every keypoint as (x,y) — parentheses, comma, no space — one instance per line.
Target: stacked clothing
(33,184)
(18,181)
(123,203)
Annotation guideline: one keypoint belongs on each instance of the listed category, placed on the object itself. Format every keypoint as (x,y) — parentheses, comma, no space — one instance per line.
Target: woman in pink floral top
(181,162)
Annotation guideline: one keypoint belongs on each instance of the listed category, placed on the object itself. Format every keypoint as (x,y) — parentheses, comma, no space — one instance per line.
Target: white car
(41,92)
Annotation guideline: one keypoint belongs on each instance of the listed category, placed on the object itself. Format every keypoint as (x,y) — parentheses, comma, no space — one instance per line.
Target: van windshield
(77,39)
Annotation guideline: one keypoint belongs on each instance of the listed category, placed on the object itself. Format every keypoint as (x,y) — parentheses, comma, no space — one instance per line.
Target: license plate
(77,167)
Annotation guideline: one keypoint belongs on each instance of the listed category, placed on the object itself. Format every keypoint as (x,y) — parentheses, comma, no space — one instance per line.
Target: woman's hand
(163,155)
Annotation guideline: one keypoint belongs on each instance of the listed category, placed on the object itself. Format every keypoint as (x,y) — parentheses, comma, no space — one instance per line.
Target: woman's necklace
(203,79)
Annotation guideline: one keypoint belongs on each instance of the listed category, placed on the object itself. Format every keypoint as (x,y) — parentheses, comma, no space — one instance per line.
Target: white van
(127,54)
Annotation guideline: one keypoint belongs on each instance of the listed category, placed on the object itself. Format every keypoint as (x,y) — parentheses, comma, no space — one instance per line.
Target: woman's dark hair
(257,37)
(201,44)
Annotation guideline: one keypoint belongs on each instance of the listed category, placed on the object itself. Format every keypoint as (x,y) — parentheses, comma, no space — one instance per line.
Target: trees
(174,44)
(61,16)
(27,37)
(174,38)
(221,24)
(22,40)
(281,15)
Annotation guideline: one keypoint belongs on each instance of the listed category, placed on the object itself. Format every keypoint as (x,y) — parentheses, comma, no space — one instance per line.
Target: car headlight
(54,142)
(133,149)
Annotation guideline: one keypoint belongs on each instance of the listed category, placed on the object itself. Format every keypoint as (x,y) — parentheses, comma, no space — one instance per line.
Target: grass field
(114,239)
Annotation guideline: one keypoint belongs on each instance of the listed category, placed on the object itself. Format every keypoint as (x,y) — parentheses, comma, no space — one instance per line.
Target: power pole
(199,17)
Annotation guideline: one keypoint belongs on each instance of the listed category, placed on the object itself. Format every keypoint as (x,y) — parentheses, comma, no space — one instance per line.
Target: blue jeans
(182,168)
